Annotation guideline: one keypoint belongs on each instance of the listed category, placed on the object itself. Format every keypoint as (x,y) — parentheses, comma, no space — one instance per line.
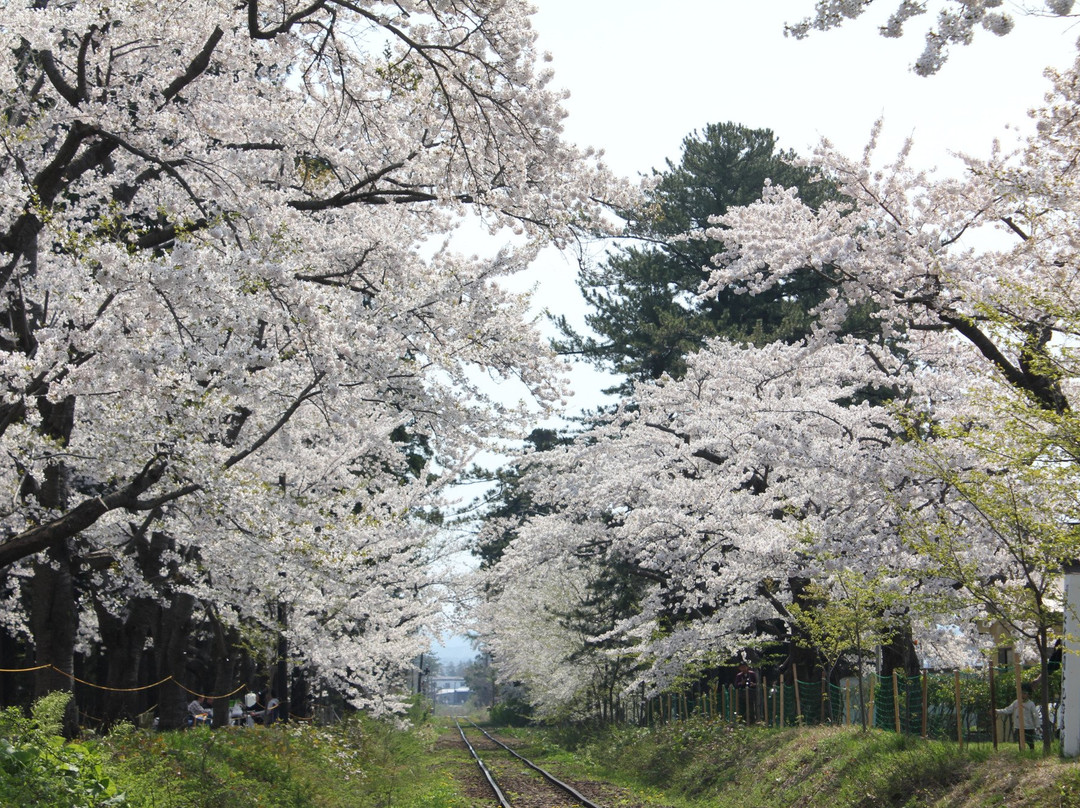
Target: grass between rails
(697,763)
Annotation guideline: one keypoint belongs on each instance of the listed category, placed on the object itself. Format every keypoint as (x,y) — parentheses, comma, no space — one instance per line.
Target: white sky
(641,79)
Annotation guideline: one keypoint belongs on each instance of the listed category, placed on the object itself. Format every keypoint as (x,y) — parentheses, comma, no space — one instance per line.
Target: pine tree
(645,310)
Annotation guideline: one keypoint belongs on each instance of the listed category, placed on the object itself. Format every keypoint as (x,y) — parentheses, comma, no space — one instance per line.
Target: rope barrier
(84,682)
(110,689)
(207,696)
(24,670)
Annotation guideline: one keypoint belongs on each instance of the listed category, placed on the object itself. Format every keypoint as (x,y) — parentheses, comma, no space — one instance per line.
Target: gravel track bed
(525,788)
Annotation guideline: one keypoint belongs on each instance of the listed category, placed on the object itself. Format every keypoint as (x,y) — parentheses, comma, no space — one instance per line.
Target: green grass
(356,764)
(698,763)
(363,763)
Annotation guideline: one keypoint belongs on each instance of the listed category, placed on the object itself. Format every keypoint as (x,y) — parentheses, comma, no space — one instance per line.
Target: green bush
(511,713)
(38,767)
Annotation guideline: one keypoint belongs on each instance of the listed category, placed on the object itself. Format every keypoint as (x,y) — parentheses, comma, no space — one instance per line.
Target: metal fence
(944,705)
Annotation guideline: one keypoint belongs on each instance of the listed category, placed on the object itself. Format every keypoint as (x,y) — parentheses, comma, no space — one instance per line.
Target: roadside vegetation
(695,764)
(357,763)
(365,763)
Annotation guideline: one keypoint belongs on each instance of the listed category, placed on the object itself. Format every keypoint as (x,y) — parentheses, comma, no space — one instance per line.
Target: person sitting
(199,713)
(269,712)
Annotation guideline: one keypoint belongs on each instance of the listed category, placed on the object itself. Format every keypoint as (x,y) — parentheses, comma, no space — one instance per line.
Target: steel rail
(503,802)
(573,792)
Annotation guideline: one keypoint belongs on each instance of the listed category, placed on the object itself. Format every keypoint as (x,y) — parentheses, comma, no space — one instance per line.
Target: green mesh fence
(955,706)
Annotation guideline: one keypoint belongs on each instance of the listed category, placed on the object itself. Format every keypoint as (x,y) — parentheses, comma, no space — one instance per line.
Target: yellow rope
(74,678)
(110,689)
(206,696)
(24,670)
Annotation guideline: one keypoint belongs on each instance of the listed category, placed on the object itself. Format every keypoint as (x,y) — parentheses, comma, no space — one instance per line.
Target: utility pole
(1070,664)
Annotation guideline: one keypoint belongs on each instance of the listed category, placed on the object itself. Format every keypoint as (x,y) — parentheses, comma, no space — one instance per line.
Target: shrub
(38,767)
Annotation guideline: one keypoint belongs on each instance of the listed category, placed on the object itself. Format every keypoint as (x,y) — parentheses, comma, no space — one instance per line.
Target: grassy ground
(362,763)
(359,763)
(698,764)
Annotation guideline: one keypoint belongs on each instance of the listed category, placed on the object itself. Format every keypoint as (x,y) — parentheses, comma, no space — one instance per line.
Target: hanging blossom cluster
(955,25)
(240,352)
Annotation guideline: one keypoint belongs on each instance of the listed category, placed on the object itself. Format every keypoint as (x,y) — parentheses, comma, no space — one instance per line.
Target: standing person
(1024,713)
(746,682)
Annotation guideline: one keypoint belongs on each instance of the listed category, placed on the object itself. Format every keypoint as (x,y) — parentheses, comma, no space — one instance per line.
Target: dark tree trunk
(171,643)
(224,664)
(54,618)
(123,638)
(54,621)
(900,654)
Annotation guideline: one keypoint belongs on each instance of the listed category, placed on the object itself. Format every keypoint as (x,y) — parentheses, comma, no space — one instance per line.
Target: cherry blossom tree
(763,467)
(240,354)
(976,278)
(957,21)
(724,489)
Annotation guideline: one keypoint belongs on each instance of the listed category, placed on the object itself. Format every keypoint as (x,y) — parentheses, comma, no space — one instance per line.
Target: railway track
(503,773)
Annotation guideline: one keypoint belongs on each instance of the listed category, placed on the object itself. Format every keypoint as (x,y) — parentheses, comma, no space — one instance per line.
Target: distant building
(449,689)
(453,696)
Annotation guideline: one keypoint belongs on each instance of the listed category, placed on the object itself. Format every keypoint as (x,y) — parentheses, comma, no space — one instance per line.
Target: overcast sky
(640,80)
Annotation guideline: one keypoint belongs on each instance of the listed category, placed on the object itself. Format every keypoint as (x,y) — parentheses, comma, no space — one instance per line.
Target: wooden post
(781,689)
(872,717)
(847,702)
(798,699)
(959,713)
(993,702)
(925,702)
(1019,697)
(712,703)
(765,699)
(825,697)
(896,700)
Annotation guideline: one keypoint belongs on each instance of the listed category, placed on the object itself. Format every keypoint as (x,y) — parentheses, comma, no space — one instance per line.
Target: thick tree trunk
(54,622)
(900,654)
(171,642)
(54,618)
(224,664)
(123,638)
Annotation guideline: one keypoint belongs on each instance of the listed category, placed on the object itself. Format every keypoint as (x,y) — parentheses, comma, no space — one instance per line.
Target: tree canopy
(239,351)
(956,23)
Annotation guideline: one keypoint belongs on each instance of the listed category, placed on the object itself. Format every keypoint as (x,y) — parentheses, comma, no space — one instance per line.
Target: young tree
(225,302)
(1000,521)
(850,612)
